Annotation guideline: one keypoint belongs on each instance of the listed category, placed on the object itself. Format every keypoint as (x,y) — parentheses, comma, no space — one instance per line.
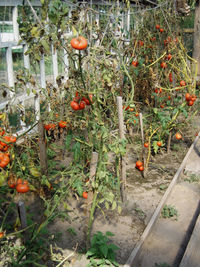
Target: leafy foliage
(102,252)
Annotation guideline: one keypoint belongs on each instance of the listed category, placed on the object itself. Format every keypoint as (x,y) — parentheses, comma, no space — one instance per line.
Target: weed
(102,252)
(193,178)
(163,187)
(169,212)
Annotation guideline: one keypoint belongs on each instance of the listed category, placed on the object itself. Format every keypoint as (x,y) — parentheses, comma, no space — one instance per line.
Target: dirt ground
(143,196)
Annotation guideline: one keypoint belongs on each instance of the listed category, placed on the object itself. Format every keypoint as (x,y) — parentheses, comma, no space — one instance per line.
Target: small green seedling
(169,212)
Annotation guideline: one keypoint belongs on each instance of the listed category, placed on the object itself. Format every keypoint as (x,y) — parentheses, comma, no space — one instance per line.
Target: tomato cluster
(139,165)
(5,143)
(52,126)
(21,186)
(79,103)
(190,99)
(8,140)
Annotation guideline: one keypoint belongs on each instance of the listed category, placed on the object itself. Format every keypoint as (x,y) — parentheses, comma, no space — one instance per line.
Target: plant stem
(91,219)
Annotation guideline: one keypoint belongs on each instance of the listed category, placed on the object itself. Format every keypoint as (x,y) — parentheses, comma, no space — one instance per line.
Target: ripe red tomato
(7,140)
(82,105)
(79,43)
(1,234)
(161,30)
(135,63)
(13,139)
(85,195)
(127,107)
(169,57)
(163,65)
(187,97)
(2,131)
(159,143)
(87,101)
(190,103)
(136,114)
(4,160)
(158,90)
(141,43)
(62,124)
(182,83)
(165,42)
(50,126)
(19,181)
(193,98)
(141,168)
(138,164)
(22,188)
(74,105)
(170,77)
(146,144)
(157,26)
(11,183)
(169,97)
(47,127)
(178,136)
(162,106)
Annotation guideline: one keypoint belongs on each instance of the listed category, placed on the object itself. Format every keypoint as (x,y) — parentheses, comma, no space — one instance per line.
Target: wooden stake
(90,199)
(22,214)
(22,217)
(169,142)
(42,148)
(142,137)
(121,136)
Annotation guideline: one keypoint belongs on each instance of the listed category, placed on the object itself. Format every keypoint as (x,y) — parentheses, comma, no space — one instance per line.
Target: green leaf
(107,205)
(109,233)
(114,205)
(104,250)
(68,140)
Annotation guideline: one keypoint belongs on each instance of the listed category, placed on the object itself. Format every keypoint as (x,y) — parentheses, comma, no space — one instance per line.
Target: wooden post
(42,72)
(55,64)
(42,148)
(142,137)
(26,57)
(15,24)
(22,217)
(89,200)
(169,143)
(10,73)
(121,136)
(22,214)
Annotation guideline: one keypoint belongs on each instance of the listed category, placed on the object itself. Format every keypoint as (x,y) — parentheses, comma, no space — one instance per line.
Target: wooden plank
(42,73)
(26,57)
(10,73)
(156,214)
(15,23)
(8,44)
(66,65)
(18,2)
(191,257)
(55,64)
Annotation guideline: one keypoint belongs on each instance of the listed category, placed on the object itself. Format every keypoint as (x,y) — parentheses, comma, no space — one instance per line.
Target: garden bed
(143,196)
